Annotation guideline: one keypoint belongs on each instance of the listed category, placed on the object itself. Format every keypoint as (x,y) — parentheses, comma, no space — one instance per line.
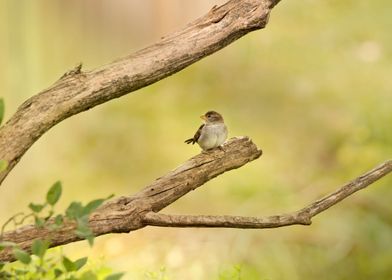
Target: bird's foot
(222,149)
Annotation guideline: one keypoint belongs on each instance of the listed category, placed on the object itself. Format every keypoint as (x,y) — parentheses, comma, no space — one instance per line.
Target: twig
(125,214)
(11,219)
(301,217)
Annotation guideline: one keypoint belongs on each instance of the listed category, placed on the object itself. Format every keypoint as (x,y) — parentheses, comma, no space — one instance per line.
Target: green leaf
(80,263)
(1,266)
(58,222)
(39,247)
(54,193)
(21,272)
(3,165)
(82,221)
(68,264)
(114,276)
(88,275)
(39,222)
(22,256)
(92,205)
(84,231)
(74,210)
(90,239)
(2,109)
(73,266)
(59,219)
(58,272)
(36,207)
(50,214)
(83,227)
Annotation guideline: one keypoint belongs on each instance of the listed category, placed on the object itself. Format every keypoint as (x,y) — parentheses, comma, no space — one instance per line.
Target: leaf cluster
(37,264)
(41,265)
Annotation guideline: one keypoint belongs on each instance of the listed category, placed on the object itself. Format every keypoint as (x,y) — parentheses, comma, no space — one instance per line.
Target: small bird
(212,133)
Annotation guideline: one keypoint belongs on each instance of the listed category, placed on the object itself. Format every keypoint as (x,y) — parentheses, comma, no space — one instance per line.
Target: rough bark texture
(78,90)
(126,213)
(300,217)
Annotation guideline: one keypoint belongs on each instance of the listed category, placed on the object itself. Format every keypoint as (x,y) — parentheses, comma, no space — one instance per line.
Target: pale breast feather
(212,136)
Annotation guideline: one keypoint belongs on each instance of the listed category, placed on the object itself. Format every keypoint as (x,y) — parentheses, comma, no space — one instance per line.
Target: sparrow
(212,133)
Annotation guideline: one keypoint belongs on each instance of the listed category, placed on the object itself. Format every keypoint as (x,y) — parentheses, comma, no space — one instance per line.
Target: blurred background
(313,90)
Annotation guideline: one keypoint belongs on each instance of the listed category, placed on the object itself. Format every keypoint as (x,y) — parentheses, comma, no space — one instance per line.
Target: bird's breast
(212,136)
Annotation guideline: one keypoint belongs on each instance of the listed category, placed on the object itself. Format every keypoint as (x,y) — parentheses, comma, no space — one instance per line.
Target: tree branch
(131,213)
(78,90)
(126,214)
(301,217)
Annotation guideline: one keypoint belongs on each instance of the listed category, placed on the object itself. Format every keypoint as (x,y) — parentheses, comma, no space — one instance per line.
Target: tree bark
(301,217)
(78,90)
(126,214)
(131,213)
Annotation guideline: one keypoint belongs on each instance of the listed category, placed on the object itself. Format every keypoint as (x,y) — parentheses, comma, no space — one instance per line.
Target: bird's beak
(203,117)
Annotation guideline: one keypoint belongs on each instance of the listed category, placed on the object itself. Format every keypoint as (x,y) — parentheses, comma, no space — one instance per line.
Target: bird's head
(212,117)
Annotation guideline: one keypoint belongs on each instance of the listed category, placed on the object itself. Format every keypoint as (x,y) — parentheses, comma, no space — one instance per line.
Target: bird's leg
(209,150)
(221,148)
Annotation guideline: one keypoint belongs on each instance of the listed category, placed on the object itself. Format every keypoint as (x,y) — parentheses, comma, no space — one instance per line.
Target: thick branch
(126,213)
(78,91)
(132,213)
(301,217)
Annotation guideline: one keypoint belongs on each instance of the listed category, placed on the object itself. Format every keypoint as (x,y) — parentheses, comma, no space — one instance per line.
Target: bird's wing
(198,133)
(195,137)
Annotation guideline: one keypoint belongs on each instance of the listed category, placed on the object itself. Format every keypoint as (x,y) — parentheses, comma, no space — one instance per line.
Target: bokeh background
(313,90)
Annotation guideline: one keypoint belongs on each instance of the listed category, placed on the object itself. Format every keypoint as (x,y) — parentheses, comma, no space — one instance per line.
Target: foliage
(232,274)
(313,90)
(39,264)
(52,265)
(157,275)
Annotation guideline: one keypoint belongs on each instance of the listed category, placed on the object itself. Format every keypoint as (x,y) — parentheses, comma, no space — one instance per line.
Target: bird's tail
(190,140)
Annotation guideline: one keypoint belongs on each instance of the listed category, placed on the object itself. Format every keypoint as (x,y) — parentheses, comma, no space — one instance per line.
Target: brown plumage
(196,136)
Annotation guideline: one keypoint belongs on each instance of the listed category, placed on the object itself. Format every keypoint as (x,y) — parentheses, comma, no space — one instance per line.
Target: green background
(313,90)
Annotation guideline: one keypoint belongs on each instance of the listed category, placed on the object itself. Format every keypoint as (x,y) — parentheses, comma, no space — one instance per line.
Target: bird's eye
(208,116)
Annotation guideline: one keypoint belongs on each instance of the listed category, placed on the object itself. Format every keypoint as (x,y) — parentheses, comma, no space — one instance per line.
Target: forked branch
(131,213)
(126,214)
(301,217)
(78,91)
